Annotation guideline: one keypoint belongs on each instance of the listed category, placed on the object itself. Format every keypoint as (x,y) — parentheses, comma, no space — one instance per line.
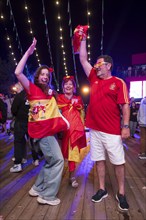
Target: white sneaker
(36,163)
(33,192)
(52,202)
(13,158)
(24,160)
(16,168)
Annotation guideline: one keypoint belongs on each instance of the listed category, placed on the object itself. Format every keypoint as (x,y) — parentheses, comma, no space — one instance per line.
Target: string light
(11,50)
(10,45)
(61,34)
(74,62)
(48,43)
(31,32)
(102,28)
(15,27)
(8,38)
(2,17)
(88,37)
(61,38)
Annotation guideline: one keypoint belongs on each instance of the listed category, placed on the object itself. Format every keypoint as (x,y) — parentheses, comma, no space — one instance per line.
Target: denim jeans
(133,125)
(49,178)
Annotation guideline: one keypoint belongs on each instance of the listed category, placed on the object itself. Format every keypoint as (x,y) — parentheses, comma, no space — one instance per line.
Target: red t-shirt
(103,112)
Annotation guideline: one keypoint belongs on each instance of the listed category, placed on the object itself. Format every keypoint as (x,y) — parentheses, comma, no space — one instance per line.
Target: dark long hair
(44,88)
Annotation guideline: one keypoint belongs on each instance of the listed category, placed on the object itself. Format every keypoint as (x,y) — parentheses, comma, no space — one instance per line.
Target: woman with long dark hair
(44,122)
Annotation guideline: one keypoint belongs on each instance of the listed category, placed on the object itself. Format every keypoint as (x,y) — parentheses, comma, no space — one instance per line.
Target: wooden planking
(88,206)
(112,188)
(99,208)
(75,204)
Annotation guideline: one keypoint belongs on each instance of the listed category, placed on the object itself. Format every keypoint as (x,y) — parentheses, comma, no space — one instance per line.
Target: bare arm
(20,67)
(83,58)
(126,116)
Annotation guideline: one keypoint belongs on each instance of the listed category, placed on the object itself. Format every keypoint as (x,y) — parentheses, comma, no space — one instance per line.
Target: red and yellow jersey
(103,112)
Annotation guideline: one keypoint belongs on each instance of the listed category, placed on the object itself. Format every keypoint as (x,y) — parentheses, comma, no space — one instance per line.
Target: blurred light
(85,90)
(14,89)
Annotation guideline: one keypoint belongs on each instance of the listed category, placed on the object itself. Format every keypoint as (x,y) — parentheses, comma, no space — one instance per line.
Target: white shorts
(112,144)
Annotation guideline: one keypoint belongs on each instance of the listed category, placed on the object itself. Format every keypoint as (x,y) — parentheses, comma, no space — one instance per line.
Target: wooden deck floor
(15,203)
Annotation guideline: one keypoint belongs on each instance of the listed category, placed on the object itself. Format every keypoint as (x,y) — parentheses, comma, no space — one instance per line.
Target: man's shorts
(112,144)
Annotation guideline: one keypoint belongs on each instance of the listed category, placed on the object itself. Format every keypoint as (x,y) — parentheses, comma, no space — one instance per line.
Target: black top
(3,110)
(133,117)
(20,107)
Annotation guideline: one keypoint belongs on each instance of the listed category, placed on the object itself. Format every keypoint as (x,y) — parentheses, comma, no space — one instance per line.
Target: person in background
(44,122)
(73,139)
(133,118)
(103,119)
(3,113)
(132,99)
(20,109)
(8,101)
(141,118)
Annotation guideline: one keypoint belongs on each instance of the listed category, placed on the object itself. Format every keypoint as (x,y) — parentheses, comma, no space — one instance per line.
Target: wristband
(125,126)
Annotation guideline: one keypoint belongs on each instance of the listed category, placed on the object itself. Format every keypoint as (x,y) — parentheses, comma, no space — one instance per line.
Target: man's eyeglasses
(99,64)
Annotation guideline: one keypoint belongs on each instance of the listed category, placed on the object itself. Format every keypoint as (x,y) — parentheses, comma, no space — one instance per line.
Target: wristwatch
(125,126)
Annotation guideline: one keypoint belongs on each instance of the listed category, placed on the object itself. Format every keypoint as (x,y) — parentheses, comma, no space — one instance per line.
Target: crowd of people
(41,114)
(131,71)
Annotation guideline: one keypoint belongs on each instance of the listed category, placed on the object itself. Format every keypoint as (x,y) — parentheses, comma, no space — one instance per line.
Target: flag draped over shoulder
(45,118)
(73,139)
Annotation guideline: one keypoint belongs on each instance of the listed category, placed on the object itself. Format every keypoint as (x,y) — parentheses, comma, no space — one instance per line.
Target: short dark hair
(65,80)
(107,59)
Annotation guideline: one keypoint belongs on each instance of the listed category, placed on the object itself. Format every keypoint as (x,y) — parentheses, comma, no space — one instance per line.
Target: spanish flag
(44,118)
(74,138)
(79,33)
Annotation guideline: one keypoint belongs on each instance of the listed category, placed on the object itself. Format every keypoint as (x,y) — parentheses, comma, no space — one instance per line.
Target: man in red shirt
(107,94)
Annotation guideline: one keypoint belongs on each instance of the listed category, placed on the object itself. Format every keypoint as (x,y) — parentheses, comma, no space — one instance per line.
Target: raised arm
(83,57)
(20,67)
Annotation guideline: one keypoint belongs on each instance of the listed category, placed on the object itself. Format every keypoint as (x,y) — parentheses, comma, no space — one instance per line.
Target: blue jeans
(49,178)
(133,125)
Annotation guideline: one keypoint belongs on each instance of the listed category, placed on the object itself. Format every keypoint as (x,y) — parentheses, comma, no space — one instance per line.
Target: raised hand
(32,47)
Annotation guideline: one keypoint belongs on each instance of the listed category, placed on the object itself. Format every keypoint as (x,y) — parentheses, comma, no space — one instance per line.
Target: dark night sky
(124,30)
